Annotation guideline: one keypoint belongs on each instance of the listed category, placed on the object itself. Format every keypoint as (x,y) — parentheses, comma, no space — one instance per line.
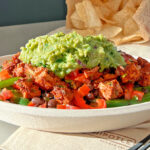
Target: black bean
(90,96)
(96,93)
(37,101)
(52,103)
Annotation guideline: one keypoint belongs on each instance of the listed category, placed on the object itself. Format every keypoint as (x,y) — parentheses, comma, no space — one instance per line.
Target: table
(13,37)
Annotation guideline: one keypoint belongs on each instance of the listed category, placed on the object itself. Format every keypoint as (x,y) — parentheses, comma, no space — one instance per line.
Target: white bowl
(73,120)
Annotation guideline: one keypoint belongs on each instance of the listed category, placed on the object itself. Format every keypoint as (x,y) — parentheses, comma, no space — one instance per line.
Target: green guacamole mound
(62,53)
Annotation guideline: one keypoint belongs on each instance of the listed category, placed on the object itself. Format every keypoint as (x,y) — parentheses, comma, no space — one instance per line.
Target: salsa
(74,72)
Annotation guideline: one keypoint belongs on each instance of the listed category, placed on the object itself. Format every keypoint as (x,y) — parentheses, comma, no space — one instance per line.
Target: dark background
(14,12)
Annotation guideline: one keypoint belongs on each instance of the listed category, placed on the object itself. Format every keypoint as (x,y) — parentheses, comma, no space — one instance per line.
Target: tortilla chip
(113,5)
(139,42)
(130,4)
(101,14)
(137,2)
(122,16)
(85,32)
(92,19)
(120,39)
(142,18)
(70,10)
(81,11)
(123,3)
(96,2)
(110,31)
(131,38)
(134,3)
(104,10)
(76,21)
(130,27)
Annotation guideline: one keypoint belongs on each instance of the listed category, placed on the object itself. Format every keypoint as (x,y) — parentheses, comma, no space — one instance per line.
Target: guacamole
(62,53)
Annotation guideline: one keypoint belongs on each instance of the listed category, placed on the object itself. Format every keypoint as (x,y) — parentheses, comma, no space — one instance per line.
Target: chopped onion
(80,63)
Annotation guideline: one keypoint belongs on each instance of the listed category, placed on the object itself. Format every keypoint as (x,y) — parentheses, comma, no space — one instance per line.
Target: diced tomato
(81,78)
(79,101)
(128,91)
(92,73)
(97,75)
(1,98)
(139,94)
(43,105)
(67,107)
(71,107)
(4,75)
(75,75)
(100,103)
(7,94)
(72,75)
(61,106)
(84,90)
(109,76)
(31,104)
(86,74)
(16,86)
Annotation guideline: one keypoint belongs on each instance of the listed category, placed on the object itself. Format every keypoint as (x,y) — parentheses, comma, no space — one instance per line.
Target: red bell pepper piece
(72,75)
(4,75)
(43,105)
(71,107)
(1,98)
(101,103)
(139,94)
(128,91)
(79,101)
(75,75)
(92,73)
(84,90)
(81,78)
(109,76)
(7,94)
(31,104)
(67,107)
(59,106)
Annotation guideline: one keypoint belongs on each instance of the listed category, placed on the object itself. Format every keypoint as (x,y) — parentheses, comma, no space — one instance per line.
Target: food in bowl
(69,71)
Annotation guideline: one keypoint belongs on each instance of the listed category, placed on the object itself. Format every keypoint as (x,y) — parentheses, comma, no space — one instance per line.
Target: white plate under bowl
(74,121)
